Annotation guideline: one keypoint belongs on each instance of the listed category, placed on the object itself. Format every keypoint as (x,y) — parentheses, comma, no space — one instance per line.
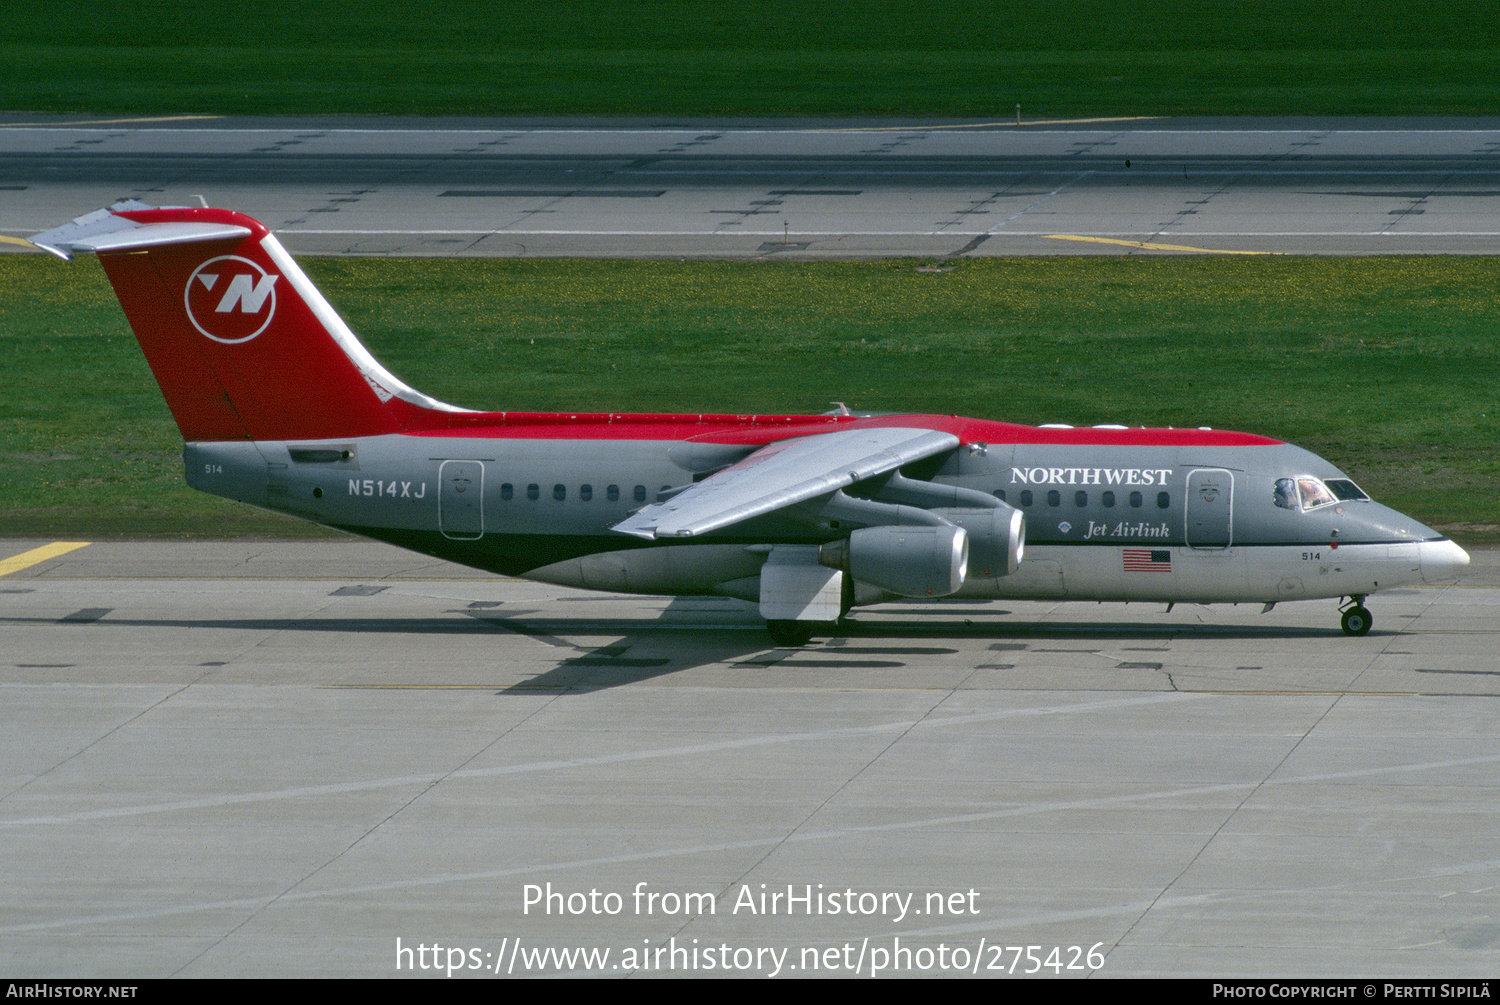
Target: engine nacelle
(911,561)
(997,539)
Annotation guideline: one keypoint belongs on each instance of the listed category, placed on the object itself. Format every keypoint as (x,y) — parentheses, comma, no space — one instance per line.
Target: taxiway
(260,758)
(817,189)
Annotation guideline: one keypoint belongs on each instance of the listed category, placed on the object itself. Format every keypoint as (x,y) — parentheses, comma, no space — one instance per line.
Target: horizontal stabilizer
(103,230)
(784,474)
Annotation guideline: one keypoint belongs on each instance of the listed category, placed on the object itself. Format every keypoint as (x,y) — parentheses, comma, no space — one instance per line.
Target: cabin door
(1210,508)
(461,500)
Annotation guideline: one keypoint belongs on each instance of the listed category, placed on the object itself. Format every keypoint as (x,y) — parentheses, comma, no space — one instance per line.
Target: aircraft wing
(783,474)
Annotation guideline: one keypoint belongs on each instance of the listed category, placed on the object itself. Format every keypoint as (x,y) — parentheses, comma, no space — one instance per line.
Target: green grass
(965,58)
(1387,366)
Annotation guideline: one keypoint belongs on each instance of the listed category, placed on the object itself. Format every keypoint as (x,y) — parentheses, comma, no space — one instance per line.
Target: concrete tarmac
(250,758)
(736,189)
(335,758)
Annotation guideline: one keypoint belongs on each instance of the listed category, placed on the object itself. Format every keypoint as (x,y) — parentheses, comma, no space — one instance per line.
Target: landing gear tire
(791,633)
(1356,620)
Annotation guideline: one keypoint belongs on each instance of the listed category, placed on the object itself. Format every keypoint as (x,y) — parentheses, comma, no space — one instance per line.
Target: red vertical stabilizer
(241,342)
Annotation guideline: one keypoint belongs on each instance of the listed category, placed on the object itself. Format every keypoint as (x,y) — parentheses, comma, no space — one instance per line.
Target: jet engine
(913,551)
(997,538)
(911,561)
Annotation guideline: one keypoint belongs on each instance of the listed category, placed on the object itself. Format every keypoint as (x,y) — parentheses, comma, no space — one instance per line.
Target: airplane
(280,405)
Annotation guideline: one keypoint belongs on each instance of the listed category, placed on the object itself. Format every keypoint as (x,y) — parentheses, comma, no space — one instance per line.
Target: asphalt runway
(328,759)
(232,759)
(808,190)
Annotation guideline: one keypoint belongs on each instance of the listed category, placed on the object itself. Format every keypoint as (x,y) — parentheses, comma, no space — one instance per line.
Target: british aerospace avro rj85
(280,405)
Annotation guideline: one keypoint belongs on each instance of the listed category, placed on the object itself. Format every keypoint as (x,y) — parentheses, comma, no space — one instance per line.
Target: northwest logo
(230,299)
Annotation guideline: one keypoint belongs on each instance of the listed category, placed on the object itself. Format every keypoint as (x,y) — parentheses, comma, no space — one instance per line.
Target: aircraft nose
(1442,560)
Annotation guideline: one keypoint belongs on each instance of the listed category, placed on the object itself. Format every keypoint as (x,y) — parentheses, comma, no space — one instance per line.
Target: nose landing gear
(1357,618)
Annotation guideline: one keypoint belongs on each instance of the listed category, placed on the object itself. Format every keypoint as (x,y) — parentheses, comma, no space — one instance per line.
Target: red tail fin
(241,342)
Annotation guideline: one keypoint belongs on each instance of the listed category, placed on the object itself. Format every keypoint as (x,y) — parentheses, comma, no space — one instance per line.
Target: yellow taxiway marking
(104,122)
(27,559)
(1151,245)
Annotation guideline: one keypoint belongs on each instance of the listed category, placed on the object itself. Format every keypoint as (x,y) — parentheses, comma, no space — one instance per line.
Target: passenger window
(1080,499)
(1000,494)
(585,492)
(533,492)
(640,493)
(1054,497)
(1135,500)
(559,492)
(1163,500)
(612,493)
(1026,497)
(507,491)
(1108,499)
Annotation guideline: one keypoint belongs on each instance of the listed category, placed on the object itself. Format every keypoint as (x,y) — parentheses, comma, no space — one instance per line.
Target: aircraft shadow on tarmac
(692,635)
(643,649)
(845,649)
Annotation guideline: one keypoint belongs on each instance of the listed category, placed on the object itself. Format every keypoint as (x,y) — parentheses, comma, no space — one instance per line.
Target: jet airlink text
(1122,529)
(1089,476)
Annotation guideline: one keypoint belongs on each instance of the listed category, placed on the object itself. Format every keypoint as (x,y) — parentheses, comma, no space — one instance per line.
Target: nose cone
(1442,560)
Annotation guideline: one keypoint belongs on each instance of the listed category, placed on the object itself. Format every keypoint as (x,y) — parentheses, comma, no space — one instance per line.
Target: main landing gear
(795,633)
(1357,618)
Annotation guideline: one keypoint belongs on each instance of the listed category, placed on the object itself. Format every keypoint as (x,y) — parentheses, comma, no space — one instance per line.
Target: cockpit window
(1314,493)
(1345,489)
(1306,492)
(1285,493)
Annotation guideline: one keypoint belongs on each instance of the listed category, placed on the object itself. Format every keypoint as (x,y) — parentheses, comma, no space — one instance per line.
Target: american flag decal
(1146,560)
